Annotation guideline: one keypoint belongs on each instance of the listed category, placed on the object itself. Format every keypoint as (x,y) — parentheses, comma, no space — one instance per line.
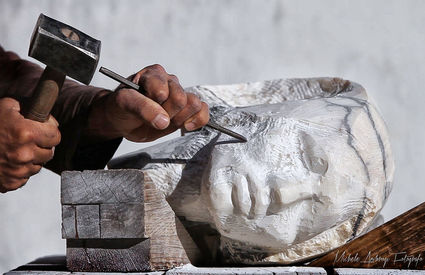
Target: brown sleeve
(18,78)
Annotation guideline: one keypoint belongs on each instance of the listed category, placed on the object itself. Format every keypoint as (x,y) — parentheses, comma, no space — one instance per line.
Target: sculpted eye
(313,156)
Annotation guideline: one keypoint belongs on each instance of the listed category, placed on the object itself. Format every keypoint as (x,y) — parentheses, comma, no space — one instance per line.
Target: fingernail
(190,126)
(161,121)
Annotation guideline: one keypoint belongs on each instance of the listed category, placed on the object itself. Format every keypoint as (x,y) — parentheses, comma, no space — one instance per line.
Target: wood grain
(397,244)
(123,255)
(171,245)
(102,187)
(122,221)
(117,220)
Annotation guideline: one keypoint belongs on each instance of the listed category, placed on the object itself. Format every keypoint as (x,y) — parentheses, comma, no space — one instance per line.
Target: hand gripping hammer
(66,51)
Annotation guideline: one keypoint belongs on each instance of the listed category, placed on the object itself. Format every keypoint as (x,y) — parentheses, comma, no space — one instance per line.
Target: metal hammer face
(65,49)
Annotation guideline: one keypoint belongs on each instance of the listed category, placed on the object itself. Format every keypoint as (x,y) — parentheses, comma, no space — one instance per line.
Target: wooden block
(121,221)
(124,255)
(397,244)
(102,186)
(87,217)
(112,230)
(69,231)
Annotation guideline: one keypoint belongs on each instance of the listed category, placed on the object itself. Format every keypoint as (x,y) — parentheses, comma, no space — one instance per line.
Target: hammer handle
(44,95)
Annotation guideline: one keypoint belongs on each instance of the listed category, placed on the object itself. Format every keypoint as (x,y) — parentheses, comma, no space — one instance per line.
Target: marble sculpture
(314,174)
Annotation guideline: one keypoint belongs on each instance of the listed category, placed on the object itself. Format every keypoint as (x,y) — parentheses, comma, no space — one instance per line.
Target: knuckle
(23,135)
(179,99)
(56,137)
(10,156)
(121,99)
(173,77)
(23,155)
(205,115)
(194,102)
(153,79)
(21,171)
(34,169)
(156,67)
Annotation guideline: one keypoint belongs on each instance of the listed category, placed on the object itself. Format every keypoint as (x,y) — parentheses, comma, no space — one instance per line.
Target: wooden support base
(397,244)
(116,220)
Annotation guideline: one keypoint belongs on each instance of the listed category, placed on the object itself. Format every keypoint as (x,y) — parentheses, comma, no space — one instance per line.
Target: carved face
(315,172)
(292,180)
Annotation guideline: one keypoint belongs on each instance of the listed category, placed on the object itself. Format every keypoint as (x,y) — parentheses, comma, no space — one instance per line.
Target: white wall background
(379,44)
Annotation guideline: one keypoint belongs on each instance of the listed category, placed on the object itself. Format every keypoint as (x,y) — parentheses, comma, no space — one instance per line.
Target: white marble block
(314,174)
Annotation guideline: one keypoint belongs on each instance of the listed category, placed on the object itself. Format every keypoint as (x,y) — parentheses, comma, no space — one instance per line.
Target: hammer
(66,51)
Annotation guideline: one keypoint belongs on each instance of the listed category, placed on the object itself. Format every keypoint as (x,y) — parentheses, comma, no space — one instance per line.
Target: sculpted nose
(250,197)
(241,197)
(220,191)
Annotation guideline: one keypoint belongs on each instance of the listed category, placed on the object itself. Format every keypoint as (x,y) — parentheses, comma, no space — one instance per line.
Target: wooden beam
(397,244)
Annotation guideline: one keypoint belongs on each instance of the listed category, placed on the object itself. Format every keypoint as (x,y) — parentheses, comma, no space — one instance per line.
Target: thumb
(145,108)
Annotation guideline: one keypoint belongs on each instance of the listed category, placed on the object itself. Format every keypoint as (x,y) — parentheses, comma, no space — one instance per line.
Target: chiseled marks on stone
(88,221)
(99,186)
(122,221)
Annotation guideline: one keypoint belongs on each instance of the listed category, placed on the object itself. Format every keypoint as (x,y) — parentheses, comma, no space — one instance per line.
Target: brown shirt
(18,78)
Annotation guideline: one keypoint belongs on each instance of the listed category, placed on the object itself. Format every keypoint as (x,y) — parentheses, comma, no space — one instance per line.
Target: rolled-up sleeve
(18,79)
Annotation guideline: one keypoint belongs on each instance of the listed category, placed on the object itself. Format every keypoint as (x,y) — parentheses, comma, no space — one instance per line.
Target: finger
(199,120)
(43,155)
(193,106)
(46,135)
(11,184)
(52,121)
(29,154)
(154,81)
(144,108)
(177,98)
(145,135)
(20,171)
(20,155)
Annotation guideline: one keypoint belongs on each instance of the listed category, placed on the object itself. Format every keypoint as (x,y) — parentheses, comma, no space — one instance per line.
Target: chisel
(136,87)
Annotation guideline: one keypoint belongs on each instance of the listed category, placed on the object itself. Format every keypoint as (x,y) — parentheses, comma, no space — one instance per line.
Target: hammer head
(65,49)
